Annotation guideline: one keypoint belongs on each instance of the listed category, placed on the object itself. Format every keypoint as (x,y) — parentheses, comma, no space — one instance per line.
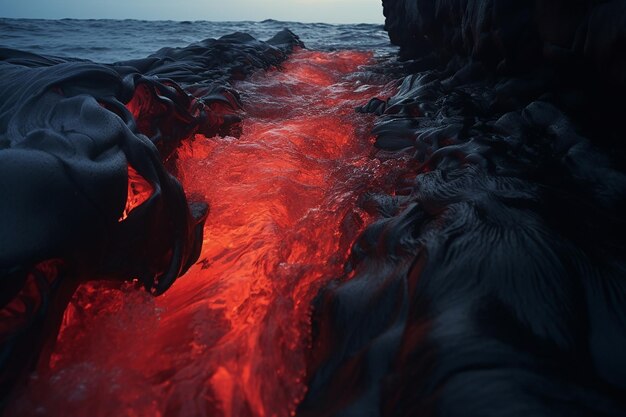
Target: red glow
(139,191)
(230,338)
(145,109)
(22,308)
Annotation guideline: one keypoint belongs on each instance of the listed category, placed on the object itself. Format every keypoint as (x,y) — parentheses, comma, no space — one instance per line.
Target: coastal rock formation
(495,284)
(514,35)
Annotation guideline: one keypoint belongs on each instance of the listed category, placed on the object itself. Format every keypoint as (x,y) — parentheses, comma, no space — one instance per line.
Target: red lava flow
(230,337)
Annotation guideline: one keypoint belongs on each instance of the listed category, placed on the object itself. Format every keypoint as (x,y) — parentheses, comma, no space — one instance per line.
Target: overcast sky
(331,11)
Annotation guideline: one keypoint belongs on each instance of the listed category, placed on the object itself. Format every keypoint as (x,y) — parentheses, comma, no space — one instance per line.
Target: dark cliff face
(514,34)
(495,284)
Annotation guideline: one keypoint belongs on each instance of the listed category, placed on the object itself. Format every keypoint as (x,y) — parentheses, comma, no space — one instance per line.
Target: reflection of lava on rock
(230,337)
(473,265)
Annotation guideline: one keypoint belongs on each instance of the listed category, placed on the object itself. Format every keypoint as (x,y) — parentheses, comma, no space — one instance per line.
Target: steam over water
(230,338)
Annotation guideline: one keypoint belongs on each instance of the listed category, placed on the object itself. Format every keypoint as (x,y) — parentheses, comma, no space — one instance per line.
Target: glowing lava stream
(230,337)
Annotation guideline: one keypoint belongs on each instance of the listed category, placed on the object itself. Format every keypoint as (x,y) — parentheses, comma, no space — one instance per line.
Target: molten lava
(230,337)
(139,191)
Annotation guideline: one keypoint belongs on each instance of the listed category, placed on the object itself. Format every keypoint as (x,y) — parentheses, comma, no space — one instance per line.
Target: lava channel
(230,338)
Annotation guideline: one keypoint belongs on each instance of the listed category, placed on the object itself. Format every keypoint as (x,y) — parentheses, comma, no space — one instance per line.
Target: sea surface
(108,41)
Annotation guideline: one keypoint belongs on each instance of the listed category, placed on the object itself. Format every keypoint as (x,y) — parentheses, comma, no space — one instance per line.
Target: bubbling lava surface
(230,337)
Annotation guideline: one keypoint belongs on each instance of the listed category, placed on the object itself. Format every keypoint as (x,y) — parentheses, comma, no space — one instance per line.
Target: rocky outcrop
(514,35)
(494,285)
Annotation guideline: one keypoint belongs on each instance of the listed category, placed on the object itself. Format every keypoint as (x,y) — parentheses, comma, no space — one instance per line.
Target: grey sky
(331,11)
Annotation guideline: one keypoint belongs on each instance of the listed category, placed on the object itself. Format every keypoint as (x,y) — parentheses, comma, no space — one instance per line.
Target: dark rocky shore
(493,283)
(495,286)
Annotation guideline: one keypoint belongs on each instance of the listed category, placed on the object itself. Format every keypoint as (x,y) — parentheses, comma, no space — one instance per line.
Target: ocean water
(109,41)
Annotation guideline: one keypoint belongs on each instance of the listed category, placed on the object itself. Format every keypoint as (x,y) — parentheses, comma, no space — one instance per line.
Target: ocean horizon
(112,40)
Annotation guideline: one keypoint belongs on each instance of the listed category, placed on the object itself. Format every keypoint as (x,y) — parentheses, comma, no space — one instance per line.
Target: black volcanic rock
(514,34)
(497,286)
